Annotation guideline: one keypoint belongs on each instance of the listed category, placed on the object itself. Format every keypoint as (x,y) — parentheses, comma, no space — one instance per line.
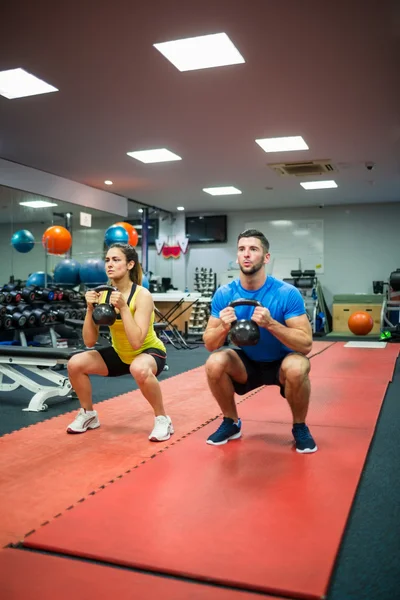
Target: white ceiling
(326,71)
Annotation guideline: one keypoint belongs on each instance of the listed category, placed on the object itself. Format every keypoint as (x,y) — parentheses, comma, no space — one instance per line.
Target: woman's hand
(118,301)
(91,298)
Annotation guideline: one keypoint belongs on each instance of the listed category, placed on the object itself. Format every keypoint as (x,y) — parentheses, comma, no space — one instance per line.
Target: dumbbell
(15,313)
(42,293)
(34,316)
(7,296)
(6,322)
(61,314)
(69,295)
(58,293)
(50,315)
(11,296)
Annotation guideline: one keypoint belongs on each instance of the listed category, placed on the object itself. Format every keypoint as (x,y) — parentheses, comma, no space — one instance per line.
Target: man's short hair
(256,234)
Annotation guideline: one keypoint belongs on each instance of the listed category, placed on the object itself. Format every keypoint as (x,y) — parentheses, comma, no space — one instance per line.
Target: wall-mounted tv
(211,229)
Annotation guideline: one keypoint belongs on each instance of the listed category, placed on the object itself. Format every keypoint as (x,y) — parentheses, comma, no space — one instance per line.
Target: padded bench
(32,360)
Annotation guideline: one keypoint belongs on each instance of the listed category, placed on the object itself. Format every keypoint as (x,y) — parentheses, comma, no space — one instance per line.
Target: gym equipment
(104,314)
(93,272)
(18,319)
(66,273)
(360,323)
(244,332)
(57,240)
(390,313)
(145,282)
(133,236)
(37,279)
(116,234)
(37,362)
(34,316)
(6,322)
(42,293)
(23,241)
(314,301)
(27,294)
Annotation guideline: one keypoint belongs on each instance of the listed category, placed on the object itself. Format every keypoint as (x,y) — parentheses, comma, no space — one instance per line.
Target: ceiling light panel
(203,52)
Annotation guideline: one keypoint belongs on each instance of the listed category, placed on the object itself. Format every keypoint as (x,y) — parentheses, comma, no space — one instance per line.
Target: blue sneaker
(303,438)
(228,430)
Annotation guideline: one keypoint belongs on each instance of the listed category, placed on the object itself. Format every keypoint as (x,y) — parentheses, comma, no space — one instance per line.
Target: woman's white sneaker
(163,429)
(85,419)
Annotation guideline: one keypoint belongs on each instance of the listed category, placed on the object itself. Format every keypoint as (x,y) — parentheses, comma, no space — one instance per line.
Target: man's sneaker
(163,429)
(303,438)
(228,430)
(86,419)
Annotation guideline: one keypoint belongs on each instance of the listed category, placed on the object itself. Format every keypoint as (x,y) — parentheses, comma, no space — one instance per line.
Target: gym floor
(366,565)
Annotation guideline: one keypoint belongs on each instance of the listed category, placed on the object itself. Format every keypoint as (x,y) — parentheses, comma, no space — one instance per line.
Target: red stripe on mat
(252,514)
(40,577)
(43,470)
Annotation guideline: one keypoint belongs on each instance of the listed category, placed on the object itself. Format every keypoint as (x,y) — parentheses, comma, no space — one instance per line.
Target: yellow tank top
(120,342)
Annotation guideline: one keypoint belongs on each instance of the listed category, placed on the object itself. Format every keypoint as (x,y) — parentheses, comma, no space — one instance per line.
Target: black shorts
(258,374)
(116,367)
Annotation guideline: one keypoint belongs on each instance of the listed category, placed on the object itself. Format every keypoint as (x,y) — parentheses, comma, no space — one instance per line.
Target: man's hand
(262,317)
(227,317)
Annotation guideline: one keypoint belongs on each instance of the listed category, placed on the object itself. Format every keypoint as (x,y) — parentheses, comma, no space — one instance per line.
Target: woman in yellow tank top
(135,348)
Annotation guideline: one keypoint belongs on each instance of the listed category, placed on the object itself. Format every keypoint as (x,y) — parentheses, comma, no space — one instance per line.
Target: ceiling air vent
(300,169)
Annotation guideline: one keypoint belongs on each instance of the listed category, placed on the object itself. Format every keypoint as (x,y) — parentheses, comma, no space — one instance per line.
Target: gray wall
(361,244)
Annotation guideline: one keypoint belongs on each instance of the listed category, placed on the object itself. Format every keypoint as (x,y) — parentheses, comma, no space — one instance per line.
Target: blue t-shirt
(283,301)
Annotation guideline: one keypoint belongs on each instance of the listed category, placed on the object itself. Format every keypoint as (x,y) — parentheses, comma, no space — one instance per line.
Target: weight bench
(38,362)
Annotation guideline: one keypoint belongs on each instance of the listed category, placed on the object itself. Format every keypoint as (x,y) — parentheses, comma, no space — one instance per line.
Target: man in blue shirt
(279,358)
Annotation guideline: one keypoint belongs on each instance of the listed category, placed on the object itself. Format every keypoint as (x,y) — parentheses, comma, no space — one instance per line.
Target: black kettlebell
(244,332)
(104,314)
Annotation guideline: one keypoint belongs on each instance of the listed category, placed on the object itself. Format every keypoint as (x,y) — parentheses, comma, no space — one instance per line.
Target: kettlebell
(244,332)
(104,314)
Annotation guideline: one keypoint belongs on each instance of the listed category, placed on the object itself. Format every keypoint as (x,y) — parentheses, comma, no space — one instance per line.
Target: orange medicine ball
(57,240)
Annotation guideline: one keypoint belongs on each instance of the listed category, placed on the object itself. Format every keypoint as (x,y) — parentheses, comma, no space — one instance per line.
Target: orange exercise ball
(360,323)
(57,240)
(133,234)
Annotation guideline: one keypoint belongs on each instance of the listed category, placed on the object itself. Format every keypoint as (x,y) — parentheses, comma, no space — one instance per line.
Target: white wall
(361,244)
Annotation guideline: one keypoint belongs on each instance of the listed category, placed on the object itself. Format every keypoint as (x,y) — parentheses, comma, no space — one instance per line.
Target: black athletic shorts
(117,367)
(258,374)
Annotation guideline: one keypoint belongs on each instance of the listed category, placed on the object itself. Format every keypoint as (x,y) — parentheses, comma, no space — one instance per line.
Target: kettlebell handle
(244,302)
(105,288)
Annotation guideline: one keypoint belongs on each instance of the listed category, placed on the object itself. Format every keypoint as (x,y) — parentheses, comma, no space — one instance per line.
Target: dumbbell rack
(205,284)
(31,312)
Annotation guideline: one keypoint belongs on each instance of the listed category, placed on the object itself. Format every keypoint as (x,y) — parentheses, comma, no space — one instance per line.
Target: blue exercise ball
(145,282)
(66,273)
(116,234)
(23,241)
(93,272)
(37,279)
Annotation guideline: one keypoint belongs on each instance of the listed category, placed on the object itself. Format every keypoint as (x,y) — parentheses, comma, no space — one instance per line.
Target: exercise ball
(66,273)
(360,323)
(145,282)
(93,272)
(57,240)
(116,234)
(23,241)
(37,279)
(132,233)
